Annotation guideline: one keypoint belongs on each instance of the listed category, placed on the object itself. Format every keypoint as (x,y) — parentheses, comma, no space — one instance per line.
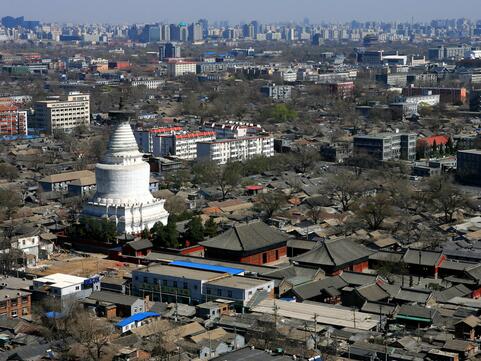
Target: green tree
(450,147)
(211,228)
(165,236)
(280,113)
(195,230)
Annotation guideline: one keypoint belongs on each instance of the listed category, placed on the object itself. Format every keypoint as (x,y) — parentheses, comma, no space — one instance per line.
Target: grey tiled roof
(336,252)
(247,237)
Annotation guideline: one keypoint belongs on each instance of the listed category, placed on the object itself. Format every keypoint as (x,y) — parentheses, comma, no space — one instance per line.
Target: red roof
(195,135)
(254,188)
(440,139)
(165,130)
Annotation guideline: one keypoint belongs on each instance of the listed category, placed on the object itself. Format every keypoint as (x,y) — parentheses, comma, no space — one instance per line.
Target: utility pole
(354,316)
(315,331)
(176,309)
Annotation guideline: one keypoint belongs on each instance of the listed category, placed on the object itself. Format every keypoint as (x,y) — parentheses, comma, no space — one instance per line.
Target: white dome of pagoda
(123,186)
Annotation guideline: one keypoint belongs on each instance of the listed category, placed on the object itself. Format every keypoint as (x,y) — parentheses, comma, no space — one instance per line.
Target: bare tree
(445,197)
(226,177)
(270,202)
(315,213)
(344,187)
(93,334)
(373,210)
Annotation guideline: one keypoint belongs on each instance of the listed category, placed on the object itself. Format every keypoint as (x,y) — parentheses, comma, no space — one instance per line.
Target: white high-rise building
(63,114)
(123,194)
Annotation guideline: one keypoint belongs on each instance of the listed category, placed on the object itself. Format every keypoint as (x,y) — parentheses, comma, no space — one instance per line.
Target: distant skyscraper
(204,23)
(165,32)
(195,32)
(169,51)
(151,34)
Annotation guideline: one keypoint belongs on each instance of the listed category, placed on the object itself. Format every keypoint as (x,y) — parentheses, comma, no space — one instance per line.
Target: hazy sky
(130,11)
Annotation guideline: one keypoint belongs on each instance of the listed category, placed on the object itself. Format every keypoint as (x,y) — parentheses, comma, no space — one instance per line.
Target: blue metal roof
(54,314)
(137,317)
(207,267)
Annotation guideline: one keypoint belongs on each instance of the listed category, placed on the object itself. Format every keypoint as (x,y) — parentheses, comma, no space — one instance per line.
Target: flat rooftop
(471,151)
(239,282)
(60,280)
(324,314)
(167,258)
(179,272)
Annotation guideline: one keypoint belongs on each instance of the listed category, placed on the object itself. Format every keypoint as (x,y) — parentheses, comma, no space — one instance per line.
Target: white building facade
(66,115)
(182,146)
(223,151)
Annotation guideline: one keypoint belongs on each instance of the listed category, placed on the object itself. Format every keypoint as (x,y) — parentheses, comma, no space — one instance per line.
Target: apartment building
(67,114)
(182,146)
(12,120)
(145,137)
(225,150)
(446,95)
(177,68)
(386,146)
(233,129)
(15,303)
(148,83)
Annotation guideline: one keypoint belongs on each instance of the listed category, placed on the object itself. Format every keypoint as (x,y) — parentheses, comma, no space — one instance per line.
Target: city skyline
(145,11)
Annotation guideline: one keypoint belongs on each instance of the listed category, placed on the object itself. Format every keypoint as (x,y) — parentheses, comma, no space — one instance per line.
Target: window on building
(146,279)
(229,294)
(175,284)
(185,286)
(209,291)
(219,292)
(164,283)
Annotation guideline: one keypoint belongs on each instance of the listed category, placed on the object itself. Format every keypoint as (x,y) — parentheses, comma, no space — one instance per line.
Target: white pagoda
(123,194)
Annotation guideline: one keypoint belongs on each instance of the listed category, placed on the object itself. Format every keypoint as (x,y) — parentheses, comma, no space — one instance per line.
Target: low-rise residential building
(61,181)
(386,146)
(64,289)
(225,150)
(15,303)
(112,304)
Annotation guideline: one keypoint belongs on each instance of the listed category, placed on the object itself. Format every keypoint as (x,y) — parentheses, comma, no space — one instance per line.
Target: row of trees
(168,236)
(227,177)
(378,197)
